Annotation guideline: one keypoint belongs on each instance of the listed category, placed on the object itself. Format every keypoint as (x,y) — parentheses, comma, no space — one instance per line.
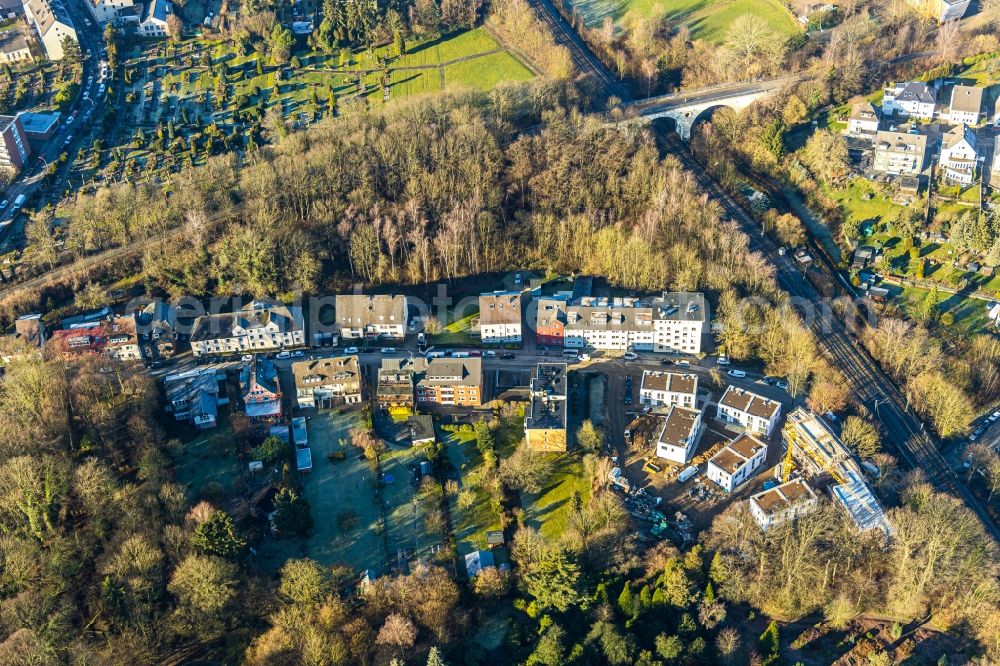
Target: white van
(736,373)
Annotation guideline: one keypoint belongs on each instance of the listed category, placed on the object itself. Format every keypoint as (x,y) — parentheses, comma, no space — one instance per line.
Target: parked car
(665,361)
(299,353)
(517,278)
(247,358)
(630,356)
(723,360)
(737,373)
(507,356)
(782,384)
(283,354)
(387,350)
(350,350)
(489,354)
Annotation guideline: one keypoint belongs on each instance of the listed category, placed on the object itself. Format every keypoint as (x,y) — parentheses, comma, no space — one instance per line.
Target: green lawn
(208,465)
(469,524)
(457,331)
(707,19)
(549,509)
(969,313)
(857,208)
(486,72)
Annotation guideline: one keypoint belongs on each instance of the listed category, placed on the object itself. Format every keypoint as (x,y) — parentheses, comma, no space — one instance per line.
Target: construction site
(814,453)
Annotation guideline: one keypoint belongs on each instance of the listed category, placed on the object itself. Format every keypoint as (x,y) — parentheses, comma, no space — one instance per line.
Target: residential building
(14,48)
(679,433)
(818,453)
(754,412)
(380,316)
(500,317)
(397,378)
(912,99)
(782,503)
(736,462)
(959,155)
(260,389)
(669,323)
(155,323)
(76,341)
(966,104)
(550,320)
(194,396)
(451,381)
(940,10)
(422,429)
(327,382)
(659,389)
(52,23)
(864,121)
(14,147)
(545,424)
(107,11)
(11,8)
(121,342)
(900,153)
(259,326)
(153,20)
(28,338)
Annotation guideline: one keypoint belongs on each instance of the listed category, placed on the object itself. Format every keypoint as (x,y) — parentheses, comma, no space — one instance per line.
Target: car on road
(489,354)
(299,353)
(665,361)
(968,459)
(507,356)
(628,398)
(517,278)
(630,356)
(683,361)
(782,384)
(830,415)
(284,354)
(387,350)
(722,360)
(350,350)
(247,358)
(737,373)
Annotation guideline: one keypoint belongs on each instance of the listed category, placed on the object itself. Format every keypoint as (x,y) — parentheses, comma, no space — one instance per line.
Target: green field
(707,19)
(469,524)
(549,509)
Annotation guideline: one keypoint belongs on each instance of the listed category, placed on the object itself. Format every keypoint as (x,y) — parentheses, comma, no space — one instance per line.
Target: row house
(378,316)
(114,337)
(261,389)
(678,435)
(14,48)
(194,396)
(327,382)
(451,381)
(500,317)
(108,11)
(751,411)
(959,155)
(121,342)
(397,379)
(550,320)
(257,327)
(738,460)
(670,323)
(545,424)
(782,503)
(659,389)
(966,105)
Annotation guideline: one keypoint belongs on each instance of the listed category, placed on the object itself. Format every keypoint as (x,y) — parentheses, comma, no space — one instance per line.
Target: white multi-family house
(257,327)
(959,154)
(669,323)
(754,412)
(966,104)
(107,11)
(738,460)
(782,503)
(659,389)
(912,99)
(327,382)
(678,435)
(52,23)
(864,121)
(500,317)
(381,316)
(14,48)
(900,153)
(153,21)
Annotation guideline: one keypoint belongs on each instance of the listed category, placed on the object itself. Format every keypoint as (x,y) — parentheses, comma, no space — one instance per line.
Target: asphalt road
(870,385)
(68,137)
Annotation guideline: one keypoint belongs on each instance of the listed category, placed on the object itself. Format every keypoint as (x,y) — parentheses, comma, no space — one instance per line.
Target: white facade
(782,503)
(672,323)
(679,434)
(959,155)
(52,24)
(911,100)
(500,333)
(736,462)
(966,103)
(864,120)
(754,412)
(360,315)
(106,11)
(660,389)
(258,327)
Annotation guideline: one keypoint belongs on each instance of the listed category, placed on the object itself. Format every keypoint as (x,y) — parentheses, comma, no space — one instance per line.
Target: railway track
(583,58)
(867,380)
